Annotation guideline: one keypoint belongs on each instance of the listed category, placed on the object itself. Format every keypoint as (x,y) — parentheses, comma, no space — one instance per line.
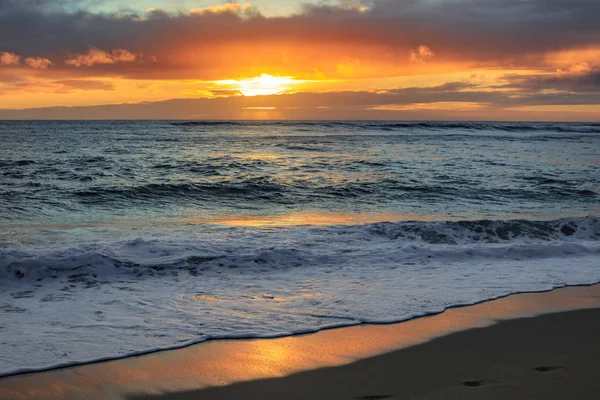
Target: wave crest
(306,246)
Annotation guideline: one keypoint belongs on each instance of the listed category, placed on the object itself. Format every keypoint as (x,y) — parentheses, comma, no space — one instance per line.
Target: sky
(333,59)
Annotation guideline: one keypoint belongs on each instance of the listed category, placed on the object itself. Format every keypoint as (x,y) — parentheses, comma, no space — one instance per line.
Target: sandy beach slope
(553,356)
(527,346)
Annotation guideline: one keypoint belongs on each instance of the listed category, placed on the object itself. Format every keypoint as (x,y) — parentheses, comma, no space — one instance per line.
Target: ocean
(124,237)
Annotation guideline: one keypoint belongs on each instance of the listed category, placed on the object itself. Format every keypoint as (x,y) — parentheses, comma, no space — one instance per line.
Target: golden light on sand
(260,85)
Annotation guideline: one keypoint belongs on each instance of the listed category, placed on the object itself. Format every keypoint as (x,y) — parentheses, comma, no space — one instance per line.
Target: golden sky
(372,59)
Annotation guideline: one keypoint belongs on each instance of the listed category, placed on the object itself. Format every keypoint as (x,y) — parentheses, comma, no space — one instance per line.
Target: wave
(261,188)
(289,191)
(213,165)
(403,125)
(491,231)
(492,126)
(15,163)
(91,265)
(301,247)
(207,123)
(175,289)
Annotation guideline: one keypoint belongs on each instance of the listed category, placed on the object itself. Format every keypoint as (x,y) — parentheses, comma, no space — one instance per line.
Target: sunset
(260,85)
(299,199)
(482,60)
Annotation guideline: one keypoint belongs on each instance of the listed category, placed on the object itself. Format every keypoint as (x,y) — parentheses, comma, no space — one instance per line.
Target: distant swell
(430,125)
(252,188)
(207,123)
(299,191)
(497,126)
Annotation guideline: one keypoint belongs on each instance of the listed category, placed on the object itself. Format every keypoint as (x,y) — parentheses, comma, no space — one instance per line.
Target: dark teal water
(63,173)
(124,237)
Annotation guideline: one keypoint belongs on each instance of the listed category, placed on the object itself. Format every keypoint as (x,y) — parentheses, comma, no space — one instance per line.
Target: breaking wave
(300,247)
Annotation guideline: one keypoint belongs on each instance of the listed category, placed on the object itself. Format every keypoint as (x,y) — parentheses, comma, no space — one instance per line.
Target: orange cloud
(348,68)
(577,69)
(38,62)
(421,54)
(232,41)
(354,5)
(577,56)
(69,85)
(234,8)
(9,58)
(442,105)
(97,56)
(546,57)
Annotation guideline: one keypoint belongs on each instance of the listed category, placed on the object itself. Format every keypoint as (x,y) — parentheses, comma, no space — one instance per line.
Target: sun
(260,85)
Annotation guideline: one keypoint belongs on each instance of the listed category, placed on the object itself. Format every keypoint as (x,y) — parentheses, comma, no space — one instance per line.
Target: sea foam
(73,303)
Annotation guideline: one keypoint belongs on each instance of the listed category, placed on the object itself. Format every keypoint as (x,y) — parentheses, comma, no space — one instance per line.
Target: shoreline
(230,361)
(234,283)
(544,357)
(68,365)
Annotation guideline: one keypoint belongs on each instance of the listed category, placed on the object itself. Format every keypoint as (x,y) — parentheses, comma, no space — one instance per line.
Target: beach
(537,345)
(549,357)
(316,199)
(242,259)
(262,229)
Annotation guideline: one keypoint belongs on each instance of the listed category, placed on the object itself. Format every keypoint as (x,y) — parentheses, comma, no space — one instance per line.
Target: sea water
(121,237)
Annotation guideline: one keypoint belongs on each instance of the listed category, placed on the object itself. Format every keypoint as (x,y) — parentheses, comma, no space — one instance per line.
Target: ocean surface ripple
(126,237)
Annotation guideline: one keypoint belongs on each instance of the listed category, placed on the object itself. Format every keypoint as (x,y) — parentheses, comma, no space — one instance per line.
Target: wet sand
(555,356)
(461,353)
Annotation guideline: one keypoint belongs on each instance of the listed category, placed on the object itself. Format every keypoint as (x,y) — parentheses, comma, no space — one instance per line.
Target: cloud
(348,68)
(221,42)
(578,79)
(9,58)
(225,92)
(67,85)
(20,85)
(421,54)
(360,6)
(96,56)
(38,62)
(553,44)
(447,106)
(231,7)
(578,69)
(565,59)
(452,100)
(33,62)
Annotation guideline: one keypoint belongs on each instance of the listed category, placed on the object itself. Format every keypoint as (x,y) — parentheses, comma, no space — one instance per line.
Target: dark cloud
(586,81)
(49,5)
(475,31)
(67,45)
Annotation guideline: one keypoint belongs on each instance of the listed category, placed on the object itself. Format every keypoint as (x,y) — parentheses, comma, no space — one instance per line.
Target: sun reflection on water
(319,218)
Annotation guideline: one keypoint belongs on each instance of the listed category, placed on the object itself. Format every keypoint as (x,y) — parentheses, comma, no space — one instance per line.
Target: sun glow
(260,85)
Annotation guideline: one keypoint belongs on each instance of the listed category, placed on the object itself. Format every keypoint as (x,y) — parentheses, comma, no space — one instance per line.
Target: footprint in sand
(472,383)
(547,368)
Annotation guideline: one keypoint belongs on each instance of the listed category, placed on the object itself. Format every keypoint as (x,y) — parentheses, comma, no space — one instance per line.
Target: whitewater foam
(225,248)
(82,302)
(124,237)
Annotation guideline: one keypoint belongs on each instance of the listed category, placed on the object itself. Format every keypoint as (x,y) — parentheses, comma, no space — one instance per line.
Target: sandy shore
(461,353)
(554,356)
